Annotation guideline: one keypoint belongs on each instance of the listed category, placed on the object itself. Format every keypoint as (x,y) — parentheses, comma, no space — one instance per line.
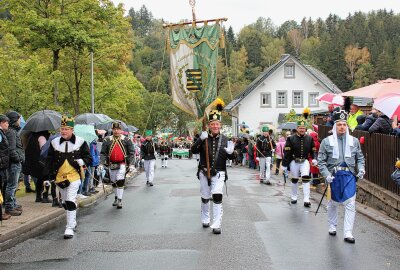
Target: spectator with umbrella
(36,133)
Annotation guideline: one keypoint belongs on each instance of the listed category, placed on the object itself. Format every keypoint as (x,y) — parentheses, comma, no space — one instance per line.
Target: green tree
(24,79)
(364,76)
(272,52)
(309,52)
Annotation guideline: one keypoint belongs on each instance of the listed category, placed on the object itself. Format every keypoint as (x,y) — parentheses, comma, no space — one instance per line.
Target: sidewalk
(39,217)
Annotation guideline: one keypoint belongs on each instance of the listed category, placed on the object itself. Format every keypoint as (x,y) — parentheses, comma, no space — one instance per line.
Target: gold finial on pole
(192,3)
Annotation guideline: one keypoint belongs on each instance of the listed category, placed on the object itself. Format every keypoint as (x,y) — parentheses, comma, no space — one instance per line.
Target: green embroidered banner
(193,56)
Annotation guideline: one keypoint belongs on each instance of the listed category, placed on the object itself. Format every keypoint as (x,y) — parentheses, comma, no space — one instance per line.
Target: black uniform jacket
(298,148)
(61,150)
(220,162)
(147,150)
(126,145)
(264,146)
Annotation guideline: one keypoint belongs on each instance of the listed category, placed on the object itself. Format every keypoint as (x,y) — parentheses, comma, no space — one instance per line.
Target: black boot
(39,190)
(55,203)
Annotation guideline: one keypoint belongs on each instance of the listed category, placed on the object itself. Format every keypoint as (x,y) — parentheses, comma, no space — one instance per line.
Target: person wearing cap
(66,159)
(147,151)
(265,147)
(352,118)
(220,149)
(165,150)
(341,162)
(4,159)
(17,157)
(117,154)
(298,147)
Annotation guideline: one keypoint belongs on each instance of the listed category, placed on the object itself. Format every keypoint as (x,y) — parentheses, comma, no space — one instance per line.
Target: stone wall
(379,198)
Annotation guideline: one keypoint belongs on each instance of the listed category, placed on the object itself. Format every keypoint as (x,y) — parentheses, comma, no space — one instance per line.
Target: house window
(312,99)
(297,98)
(265,100)
(281,99)
(289,71)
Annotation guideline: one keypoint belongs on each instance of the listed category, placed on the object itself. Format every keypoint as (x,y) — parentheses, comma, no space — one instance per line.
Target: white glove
(100,169)
(204,135)
(230,147)
(80,162)
(273,151)
(314,162)
(329,178)
(257,158)
(46,183)
(360,175)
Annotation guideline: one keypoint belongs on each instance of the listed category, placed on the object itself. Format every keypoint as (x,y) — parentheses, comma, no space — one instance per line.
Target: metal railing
(380,153)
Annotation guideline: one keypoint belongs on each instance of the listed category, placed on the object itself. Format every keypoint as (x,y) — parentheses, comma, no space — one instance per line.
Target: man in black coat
(117,154)
(147,151)
(4,158)
(219,150)
(382,124)
(368,122)
(17,157)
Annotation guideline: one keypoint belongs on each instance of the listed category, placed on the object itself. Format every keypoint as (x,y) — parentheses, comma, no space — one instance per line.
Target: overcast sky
(244,12)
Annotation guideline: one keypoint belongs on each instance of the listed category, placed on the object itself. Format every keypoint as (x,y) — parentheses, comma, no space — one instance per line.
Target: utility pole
(92,80)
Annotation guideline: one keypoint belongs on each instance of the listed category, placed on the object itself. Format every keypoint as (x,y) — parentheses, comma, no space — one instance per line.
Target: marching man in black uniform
(164,152)
(297,149)
(148,153)
(117,154)
(66,159)
(219,150)
(265,149)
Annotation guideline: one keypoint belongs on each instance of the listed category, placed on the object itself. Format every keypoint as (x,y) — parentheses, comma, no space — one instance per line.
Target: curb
(37,226)
(31,229)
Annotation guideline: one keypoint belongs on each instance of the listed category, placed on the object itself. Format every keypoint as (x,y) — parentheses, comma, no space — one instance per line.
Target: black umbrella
(92,118)
(132,128)
(43,120)
(108,125)
(288,125)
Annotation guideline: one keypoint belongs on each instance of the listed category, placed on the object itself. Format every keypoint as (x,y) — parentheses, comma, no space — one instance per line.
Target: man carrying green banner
(147,151)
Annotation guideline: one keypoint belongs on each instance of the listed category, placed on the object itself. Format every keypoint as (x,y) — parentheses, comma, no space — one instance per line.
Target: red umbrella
(331,98)
(389,104)
(375,90)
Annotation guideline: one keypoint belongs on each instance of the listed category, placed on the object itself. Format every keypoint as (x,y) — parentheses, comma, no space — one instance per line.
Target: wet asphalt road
(159,228)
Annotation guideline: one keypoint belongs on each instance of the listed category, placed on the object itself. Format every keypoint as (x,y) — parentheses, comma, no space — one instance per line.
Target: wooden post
(207,155)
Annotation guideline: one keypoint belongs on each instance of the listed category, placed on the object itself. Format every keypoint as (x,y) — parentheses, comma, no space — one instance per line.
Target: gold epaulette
(287,148)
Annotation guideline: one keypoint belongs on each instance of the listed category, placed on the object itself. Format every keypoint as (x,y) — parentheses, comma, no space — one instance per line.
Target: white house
(285,85)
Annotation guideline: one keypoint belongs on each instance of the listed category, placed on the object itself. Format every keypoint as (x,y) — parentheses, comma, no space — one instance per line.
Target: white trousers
(265,168)
(116,175)
(349,215)
(206,191)
(164,160)
(149,168)
(298,170)
(69,194)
